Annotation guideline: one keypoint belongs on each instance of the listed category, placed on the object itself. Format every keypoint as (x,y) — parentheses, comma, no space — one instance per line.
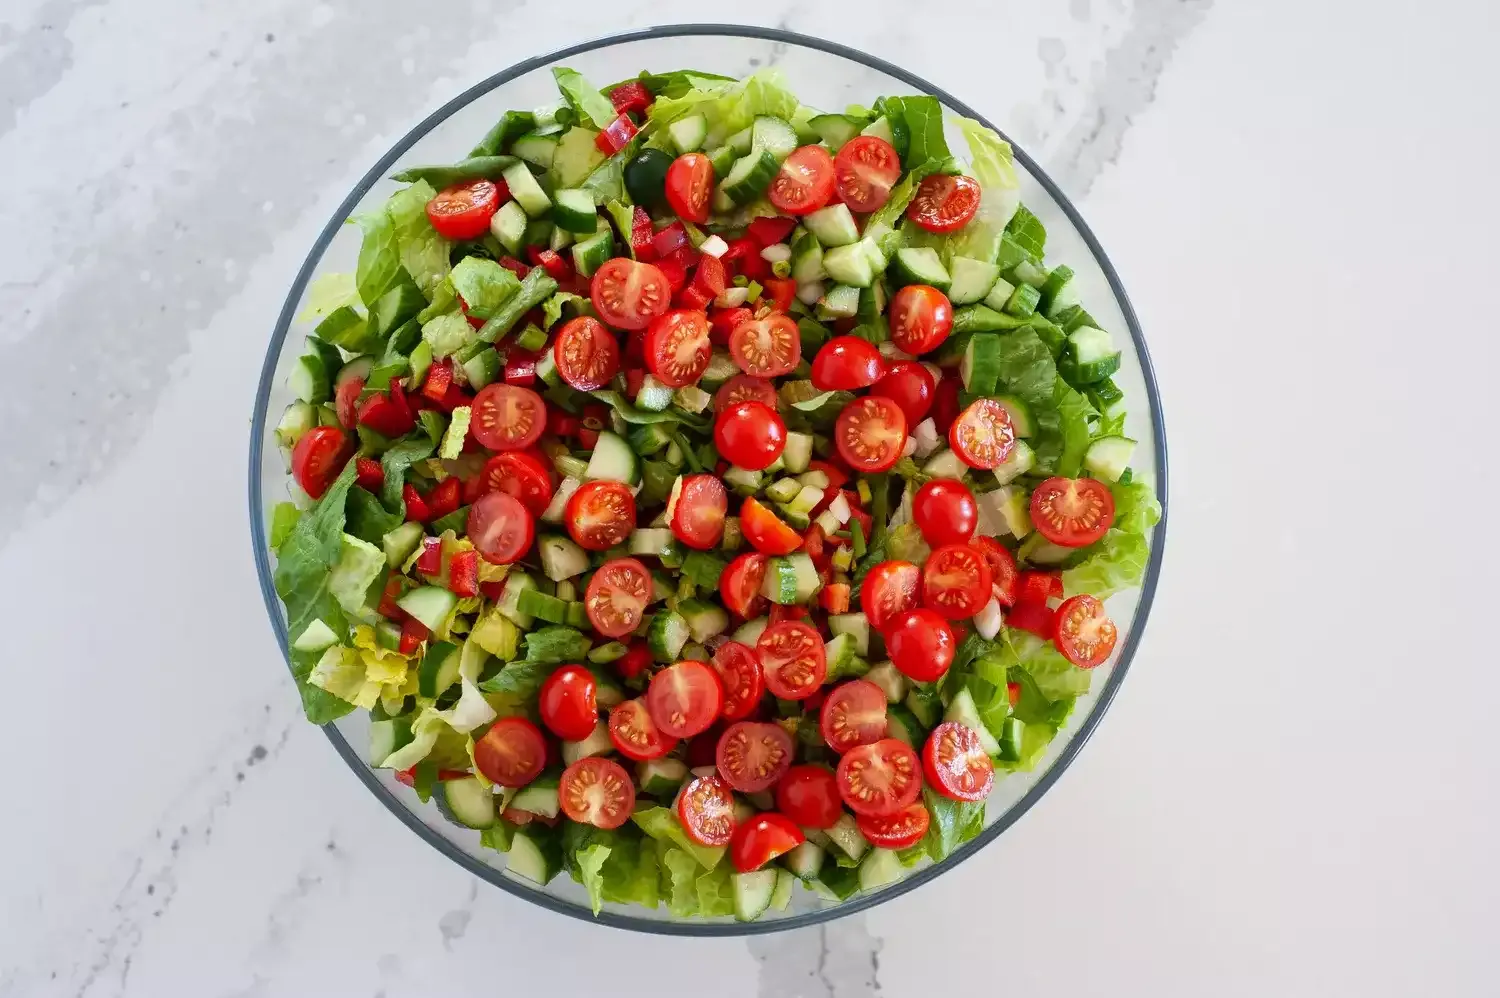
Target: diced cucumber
(578,155)
(839,652)
(538,150)
(1037,550)
(704,620)
(1059,291)
(561,558)
(387,736)
(466,802)
(1027,272)
(721,367)
(850,264)
(649,438)
(722,160)
(597,743)
(509,226)
(298,418)
(659,777)
(536,854)
(688,133)
(782,895)
(526,191)
(881,869)
(482,368)
(429,604)
(752,891)
(888,678)
(1090,356)
(750,176)
(881,129)
(920,265)
(1020,413)
(1022,301)
(835,129)
(309,380)
(856,625)
(833,226)
(510,599)
(315,637)
(840,302)
(926,708)
(650,541)
(807,257)
(400,542)
(780,582)
(555,509)
(561,240)
(691,398)
(980,367)
(439,669)
(963,710)
(847,838)
(653,396)
(1108,457)
(1107,398)
(573,210)
(805,860)
(773,135)
(1012,737)
(999,294)
(538,797)
(538,604)
(783,489)
(743,480)
(945,464)
(750,631)
(613,460)
(1010,504)
(1018,462)
(806,572)
(972,280)
(666,636)
(742,141)
(592,253)
(798,452)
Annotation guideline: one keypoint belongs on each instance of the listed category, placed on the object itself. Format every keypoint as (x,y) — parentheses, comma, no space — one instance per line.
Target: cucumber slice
(439,669)
(691,398)
(783,489)
(750,176)
(890,679)
(841,302)
(653,396)
(856,625)
(743,480)
(535,854)
(1010,505)
(535,149)
(1108,457)
(1027,272)
(650,541)
(945,464)
(920,265)
(561,559)
(833,226)
(466,802)
(660,777)
(573,210)
(539,604)
(806,573)
(882,869)
(315,637)
(999,295)
(555,509)
(597,743)
(839,652)
(722,160)
(972,280)
(1020,413)
(592,253)
(309,379)
(1018,462)
(509,226)
(881,129)
(1059,292)
(807,258)
(688,134)
(773,135)
(387,736)
(851,265)
(1012,736)
(510,599)
(752,891)
(525,190)
(1022,301)
(666,635)
(963,710)
(613,460)
(1090,356)
(780,583)
(847,838)
(298,418)
(538,797)
(704,620)
(401,542)
(798,452)
(750,631)
(805,860)
(925,707)
(782,895)
(482,369)
(561,239)
(835,129)
(1037,550)
(980,368)
(1107,398)
(429,604)
(578,155)
(742,141)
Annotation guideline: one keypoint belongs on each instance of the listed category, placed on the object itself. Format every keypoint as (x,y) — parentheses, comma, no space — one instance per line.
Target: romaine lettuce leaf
(661,824)
(396,462)
(1137,509)
(679,875)
(552,308)
(484,285)
(583,97)
(1027,370)
(448,333)
(471,711)
(923,118)
(630,873)
(510,127)
(729,106)
(422,251)
(555,645)
(328,292)
(953,823)
(590,863)
(379,256)
(715,892)
(360,564)
(1115,563)
(367,518)
(284,516)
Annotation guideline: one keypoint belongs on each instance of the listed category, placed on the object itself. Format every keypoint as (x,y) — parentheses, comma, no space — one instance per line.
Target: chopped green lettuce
(953,823)
(367,518)
(360,564)
(484,285)
(284,516)
(729,106)
(328,292)
(584,98)
(923,121)
(591,872)
(1116,562)
(447,334)
(552,308)
(661,824)
(396,462)
(422,251)
(1028,371)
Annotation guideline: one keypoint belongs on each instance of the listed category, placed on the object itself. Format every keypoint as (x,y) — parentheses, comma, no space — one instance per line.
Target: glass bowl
(823,74)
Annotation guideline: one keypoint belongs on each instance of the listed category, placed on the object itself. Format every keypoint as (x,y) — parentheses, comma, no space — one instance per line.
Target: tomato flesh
(944,203)
(909,385)
(740,675)
(956,764)
(635,734)
(1085,633)
(956,581)
(600,515)
(766,348)
(745,388)
(921,644)
(983,435)
(507,417)
(901,830)
(762,839)
(617,597)
(464,210)
(317,459)
(697,519)
(627,294)
(511,753)
(684,699)
(678,347)
(792,659)
(587,355)
(520,474)
(846,363)
(740,584)
(805,181)
(853,714)
(753,755)
(568,703)
(921,318)
(1004,576)
(945,512)
(879,779)
(690,183)
(500,527)
(809,795)
(750,434)
(596,791)
(706,809)
(864,171)
(890,588)
(870,433)
(1072,512)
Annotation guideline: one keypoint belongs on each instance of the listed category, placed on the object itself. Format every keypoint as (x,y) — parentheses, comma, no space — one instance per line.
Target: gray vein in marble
(1122,88)
(838,959)
(39,57)
(455,923)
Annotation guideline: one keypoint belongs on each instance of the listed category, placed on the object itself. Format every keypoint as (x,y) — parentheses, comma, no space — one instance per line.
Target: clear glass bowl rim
(859,902)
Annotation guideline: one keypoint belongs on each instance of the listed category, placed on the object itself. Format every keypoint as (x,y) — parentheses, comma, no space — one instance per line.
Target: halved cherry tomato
(956,581)
(920,643)
(600,515)
(945,403)
(1004,577)
(921,318)
(690,185)
(1039,587)
(752,755)
(1072,512)
(511,753)
(628,295)
(846,363)
(617,596)
(587,355)
(870,433)
(901,830)
(635,734)
(762,839)
(809,795)
(945,512)
(616,135)
(909,385)
(697,511)
(944,202)
(740,584)
(890,588)
(464,210)
(318,458)
(750,434)
(678,347)
(739,673)
(1085,634)
(463,574)
(853,714)
(500,527)
(444,497)
(706,809)
(804,183)
(632,96)
(767,347)
(792,659)
(346,401)
(983,435)
(765,531)
(864,172)
(521,474)
(745,388)
(879,779)
(381,413)
(368,474)
(767,230)
(569,703)
(596,791)
(684,699)
(508,417)
(956,764)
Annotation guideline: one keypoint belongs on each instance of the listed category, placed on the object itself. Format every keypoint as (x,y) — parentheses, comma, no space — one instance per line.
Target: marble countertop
(1293,794)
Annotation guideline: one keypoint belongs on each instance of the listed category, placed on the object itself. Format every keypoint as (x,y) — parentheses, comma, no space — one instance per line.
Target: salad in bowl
(707,496)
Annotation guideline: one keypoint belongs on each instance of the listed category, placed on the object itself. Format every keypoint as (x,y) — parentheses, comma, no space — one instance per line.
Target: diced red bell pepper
(687,256)
(642,235)
(1013,692)
(835,598)
(416,506)
(384,416)
(837,477)
(1039,587)
(722,323)
(520,366)
(635,661)
(387,606)
(556,267)
(430,561)
(739,249)
(368,474)
(865,521)
(782,291)
(616,135)
(694,297)
(632,96)
(844,326)
(720,468)
(444,497)
(1035,617)
(560,424)
(453,398)
(669,240)
(475,320)
(674,271)
(439,377)
(413,633)
(768,231)
(812,542)
(492,590)
(710,277)
(399,397)
(463,572)
(515,266)
(634,379)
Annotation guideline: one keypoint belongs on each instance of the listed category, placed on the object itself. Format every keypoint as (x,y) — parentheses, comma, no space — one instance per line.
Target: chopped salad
(705,494)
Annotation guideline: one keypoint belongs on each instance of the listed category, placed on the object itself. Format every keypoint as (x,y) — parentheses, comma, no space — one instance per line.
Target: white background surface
(1295,792)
